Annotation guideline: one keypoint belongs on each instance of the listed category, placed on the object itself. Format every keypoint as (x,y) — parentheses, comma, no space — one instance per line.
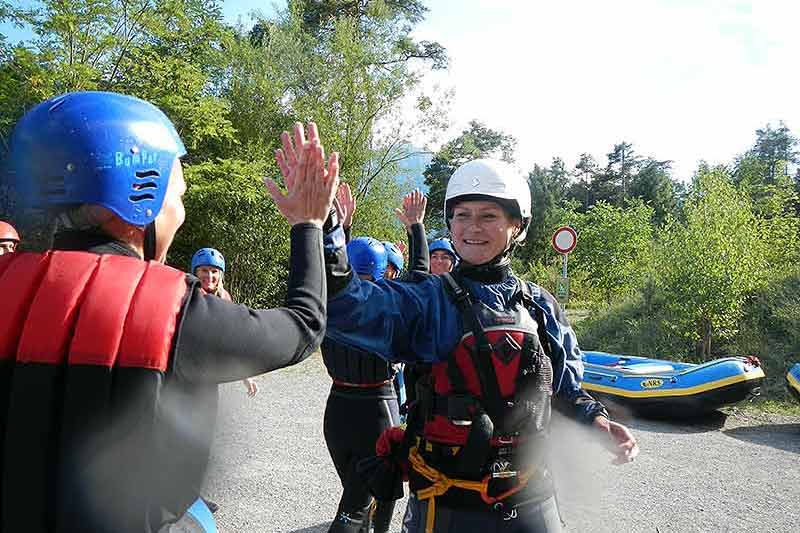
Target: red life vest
(512,346)
(482,414)
(85,340)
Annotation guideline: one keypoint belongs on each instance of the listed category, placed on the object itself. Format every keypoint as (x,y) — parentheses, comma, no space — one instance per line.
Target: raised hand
(345,205)
(310,186)
(413,209)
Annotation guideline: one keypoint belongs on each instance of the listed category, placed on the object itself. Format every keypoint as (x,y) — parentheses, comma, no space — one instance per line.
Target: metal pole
(564,266)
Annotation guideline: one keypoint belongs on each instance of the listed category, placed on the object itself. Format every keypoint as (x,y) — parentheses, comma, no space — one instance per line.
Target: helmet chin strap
(150,241)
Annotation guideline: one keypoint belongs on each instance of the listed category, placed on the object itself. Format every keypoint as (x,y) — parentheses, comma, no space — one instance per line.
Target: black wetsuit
(419,260)
(215,341)
(361,405)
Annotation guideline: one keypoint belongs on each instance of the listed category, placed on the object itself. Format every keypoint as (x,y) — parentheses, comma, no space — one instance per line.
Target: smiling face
(209,277)
(441,262)
(481,230)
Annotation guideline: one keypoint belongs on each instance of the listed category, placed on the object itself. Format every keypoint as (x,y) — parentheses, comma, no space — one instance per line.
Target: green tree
(712,263)
(653,185)
(163,51)
(584,173)
(548,188)
(614,247)
(230,92)
(613,185)
(775,148)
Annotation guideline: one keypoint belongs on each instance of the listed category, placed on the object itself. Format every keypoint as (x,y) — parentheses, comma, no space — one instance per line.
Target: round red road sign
(564,240)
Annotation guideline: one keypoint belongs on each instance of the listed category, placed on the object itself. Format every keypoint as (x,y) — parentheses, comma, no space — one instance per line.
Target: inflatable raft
(669,389)
(793,381)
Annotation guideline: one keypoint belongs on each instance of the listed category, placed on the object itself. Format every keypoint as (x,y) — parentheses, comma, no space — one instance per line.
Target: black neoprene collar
(91,241)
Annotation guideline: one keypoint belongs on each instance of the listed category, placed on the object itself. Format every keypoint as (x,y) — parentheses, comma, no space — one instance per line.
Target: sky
(681,80)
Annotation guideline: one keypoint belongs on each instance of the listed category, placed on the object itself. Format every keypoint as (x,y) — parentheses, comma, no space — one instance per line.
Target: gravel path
(271,471)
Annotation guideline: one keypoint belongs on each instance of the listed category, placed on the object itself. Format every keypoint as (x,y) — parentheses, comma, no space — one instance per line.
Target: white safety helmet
(493,179)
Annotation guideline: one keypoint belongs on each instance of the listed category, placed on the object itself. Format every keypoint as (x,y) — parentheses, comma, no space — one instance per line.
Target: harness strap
(441,484)
(538,314)
(482,354)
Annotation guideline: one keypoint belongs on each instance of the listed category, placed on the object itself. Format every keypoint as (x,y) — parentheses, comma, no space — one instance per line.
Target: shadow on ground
(784,437)
(713,421)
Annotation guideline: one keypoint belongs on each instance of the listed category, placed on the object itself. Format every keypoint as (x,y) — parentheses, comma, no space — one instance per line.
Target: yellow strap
(440,484)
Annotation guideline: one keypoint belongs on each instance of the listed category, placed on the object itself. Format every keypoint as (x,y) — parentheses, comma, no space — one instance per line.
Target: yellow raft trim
(793,381)
(687,391)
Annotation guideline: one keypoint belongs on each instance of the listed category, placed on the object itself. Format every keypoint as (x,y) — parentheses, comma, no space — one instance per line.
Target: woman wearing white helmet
(499,349)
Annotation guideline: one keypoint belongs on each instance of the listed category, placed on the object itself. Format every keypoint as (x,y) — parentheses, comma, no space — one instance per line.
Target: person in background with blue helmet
(394,258)
(208,264)
(368,257)
(361,405)
(362,402)
(443,256)
(108,361)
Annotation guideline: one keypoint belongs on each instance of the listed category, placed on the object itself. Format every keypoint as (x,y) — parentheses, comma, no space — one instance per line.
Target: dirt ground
(271,471)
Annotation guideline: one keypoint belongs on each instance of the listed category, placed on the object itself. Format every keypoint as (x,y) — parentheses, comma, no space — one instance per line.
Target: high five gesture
(310,186)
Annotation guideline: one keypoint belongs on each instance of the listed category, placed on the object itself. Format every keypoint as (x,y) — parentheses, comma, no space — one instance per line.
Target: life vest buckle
(505,474)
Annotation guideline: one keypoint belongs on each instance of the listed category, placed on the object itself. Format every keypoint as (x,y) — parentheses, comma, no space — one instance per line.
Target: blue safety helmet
(367,256)
(208,257)
(99,148)
(394,255)
(443,244)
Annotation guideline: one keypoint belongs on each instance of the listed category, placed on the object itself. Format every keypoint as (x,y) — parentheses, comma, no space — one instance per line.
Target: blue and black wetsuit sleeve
(418,255)
(569,397)
(219,341)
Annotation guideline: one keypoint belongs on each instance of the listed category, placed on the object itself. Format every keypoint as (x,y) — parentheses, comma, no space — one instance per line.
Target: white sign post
(564,241)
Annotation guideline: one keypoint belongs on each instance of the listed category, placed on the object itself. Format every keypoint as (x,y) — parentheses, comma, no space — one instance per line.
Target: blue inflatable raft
(793,381)
(669,389)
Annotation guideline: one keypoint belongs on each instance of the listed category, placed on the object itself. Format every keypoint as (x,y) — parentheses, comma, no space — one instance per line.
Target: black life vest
(490,400)
(352,367)
(85,342)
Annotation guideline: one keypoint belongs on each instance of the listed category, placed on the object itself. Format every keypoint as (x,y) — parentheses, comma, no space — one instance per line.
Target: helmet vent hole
(142,174)
(145,185)
(58,103)
(141,197)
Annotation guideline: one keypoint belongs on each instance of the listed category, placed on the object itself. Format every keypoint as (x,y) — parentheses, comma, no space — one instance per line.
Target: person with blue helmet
(501,354)
(208,264)
(394,260)
(442,256)
(368,257)
(110,367)
(362,402)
